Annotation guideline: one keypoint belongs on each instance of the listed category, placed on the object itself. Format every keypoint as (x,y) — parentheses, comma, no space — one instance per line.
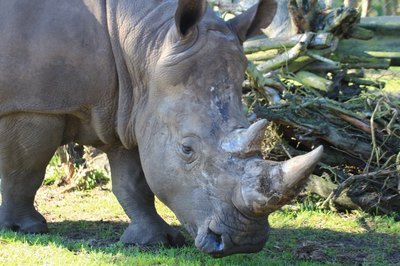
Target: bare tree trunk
(365,4)
(350,3)
(329,4)
(390,7)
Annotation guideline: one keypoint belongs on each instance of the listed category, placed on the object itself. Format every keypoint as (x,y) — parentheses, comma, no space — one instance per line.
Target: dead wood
(306,86)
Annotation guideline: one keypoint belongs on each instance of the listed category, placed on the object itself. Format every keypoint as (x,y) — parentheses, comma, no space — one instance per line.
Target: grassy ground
(85,227)
(391,77)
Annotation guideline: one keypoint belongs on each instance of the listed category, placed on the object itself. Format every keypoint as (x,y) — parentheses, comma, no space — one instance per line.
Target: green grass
(393,85)
(85,227)
(391,77)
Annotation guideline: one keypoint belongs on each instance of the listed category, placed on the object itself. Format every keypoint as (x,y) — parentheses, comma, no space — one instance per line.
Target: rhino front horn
(297,168)
(267,186)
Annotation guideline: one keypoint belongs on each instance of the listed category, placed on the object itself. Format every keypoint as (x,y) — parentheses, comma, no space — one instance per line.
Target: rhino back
(55,56)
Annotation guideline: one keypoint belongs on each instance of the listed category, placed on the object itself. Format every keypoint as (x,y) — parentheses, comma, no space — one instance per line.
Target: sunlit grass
(391,78)
(85,227)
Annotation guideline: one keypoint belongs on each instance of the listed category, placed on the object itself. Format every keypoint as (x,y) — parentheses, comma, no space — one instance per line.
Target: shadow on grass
(285,245)
(97,233)
(324,245)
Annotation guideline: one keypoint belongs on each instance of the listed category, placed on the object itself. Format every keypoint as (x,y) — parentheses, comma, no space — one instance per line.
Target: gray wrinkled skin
(157,86)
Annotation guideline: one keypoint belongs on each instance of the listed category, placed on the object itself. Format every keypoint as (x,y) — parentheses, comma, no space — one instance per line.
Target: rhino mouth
(218,239)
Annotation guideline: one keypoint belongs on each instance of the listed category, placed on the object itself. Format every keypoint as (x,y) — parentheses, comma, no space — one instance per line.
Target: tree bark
(390,7)
(350,3)
(365,4)
(329,4)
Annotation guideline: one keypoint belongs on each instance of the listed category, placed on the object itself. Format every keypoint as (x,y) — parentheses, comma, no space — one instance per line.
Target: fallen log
(325,188)
(350,62)
(313,81)
(319,41)
(286,57)
(381,24)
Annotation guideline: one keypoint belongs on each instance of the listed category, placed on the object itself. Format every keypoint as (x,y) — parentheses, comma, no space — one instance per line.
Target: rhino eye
(187,149)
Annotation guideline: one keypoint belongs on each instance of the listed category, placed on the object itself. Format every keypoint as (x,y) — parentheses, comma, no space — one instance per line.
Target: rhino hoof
(147,235)
(27,228)
(35,228)
(30,223)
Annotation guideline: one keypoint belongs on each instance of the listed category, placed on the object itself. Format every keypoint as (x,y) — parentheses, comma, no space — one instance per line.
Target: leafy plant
(80,177)
(91,179)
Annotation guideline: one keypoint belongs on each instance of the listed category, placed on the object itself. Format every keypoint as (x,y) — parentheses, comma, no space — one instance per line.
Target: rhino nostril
(217,243)
(217,237)
(211,242)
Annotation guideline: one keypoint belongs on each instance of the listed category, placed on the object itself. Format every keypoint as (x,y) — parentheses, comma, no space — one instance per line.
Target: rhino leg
(133,193)
(27,143)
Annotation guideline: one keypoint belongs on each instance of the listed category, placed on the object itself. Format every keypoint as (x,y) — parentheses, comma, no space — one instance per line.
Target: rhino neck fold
(135,42)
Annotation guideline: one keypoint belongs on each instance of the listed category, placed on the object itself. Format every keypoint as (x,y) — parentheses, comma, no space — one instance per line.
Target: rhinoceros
(156,85)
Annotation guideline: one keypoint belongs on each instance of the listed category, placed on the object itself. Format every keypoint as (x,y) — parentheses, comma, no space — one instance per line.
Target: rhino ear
(250,22)
(188,15)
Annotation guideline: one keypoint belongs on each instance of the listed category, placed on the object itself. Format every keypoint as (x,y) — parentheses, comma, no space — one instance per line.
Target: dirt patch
(95,231)
(346,250)
(319,251)
(337,247)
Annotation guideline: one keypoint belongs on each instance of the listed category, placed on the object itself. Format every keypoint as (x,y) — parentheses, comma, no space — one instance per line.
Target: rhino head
(200,155)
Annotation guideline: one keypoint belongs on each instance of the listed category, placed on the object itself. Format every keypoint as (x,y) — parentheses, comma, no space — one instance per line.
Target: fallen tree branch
(262,81)
(288,56)
(313,81)
(354,178)
(319,41)
(325,188)
(321,101)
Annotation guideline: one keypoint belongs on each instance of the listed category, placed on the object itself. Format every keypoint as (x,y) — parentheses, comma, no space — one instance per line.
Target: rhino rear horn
(250,23)
(245,142)
(188,14)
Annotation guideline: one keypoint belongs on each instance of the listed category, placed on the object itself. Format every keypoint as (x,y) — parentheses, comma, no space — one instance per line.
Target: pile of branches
(309,81)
